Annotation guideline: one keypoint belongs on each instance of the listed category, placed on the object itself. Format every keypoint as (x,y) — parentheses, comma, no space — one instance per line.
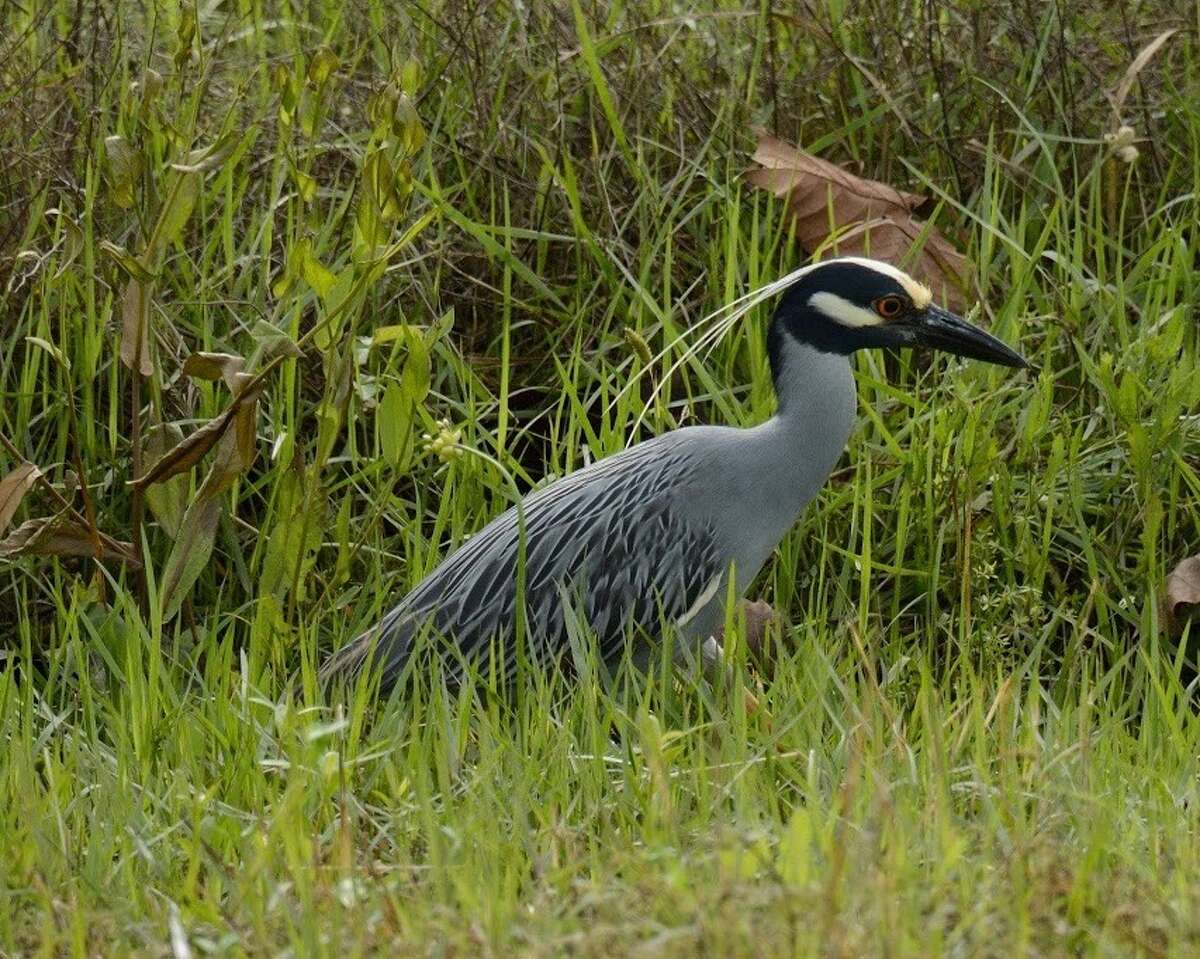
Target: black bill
(942,330)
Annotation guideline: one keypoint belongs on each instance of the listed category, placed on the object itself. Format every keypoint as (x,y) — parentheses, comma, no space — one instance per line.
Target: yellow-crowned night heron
(649,536)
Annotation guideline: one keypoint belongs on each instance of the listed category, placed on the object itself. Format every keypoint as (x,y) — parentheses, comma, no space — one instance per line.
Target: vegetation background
(429,247)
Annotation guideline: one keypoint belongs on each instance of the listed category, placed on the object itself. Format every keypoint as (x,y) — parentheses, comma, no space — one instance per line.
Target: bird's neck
(780,465)
(799,446)
(811,384)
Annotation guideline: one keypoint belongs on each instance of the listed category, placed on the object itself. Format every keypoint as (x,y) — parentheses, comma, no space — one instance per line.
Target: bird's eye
(889,307)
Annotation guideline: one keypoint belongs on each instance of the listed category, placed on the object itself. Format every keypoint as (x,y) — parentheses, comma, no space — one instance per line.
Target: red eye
(889,307)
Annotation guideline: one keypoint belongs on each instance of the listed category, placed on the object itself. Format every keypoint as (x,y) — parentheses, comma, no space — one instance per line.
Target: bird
(663,533)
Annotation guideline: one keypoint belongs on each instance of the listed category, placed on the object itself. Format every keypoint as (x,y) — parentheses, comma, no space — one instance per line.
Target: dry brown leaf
(1145,55)
(13,489)
(215,366)
(833,210)
(186,454)
(194,543)
(1181,597)
(135,325)
(761,617)
(62,536)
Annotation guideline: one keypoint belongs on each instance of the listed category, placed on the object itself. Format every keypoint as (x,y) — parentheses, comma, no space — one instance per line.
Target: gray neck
(799,446)
(761,482)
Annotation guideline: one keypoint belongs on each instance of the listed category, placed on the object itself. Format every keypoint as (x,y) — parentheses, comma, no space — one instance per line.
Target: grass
(984,737)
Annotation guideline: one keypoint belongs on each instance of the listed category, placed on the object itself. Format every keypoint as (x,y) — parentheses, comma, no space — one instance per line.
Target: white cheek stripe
(843,311)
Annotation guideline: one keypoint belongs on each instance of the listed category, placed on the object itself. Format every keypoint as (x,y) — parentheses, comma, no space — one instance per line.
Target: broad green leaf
(124,168)
(389,334)
(394,421)
(130,265)
(273,341)
(414,380)
(316,274)
(167,500)
(295,538)
(181,200)
(322,66)
(190,552)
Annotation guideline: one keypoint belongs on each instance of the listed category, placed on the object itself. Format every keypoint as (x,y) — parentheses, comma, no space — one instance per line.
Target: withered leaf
(13,488)
(1145,55)
(1181,596)
(203,159)
(761,617)
(62,536)
(215,366)
(831,209)
(186,454)
(135,325)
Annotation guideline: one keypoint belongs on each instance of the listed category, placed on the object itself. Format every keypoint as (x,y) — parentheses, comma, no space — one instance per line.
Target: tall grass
(981,737)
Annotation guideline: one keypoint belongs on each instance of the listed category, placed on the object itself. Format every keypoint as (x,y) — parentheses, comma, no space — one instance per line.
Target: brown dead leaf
(135,326)
(1145,55)
(1181,596)
(13,488)
(186,454)
(215,366)
(63,536)
(831,209)
(761,618)
(197,532)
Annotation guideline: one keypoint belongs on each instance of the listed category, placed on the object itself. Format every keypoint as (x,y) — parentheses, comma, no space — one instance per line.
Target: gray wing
(612,535)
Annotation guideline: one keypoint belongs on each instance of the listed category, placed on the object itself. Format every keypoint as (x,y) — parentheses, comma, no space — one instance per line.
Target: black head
(849,304)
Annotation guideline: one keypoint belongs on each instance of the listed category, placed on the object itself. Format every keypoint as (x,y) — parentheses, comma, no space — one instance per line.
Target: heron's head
(853,303)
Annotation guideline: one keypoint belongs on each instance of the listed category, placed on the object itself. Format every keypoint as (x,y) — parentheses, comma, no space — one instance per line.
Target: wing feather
(613,534)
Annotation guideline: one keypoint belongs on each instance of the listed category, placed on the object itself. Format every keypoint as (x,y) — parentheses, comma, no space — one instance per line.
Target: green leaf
(306,185)
(190,552)
(203,159)
(50,348)
(181,201)
(394,421)
(321,66)
(316,274)
(72,241)
(409,79)
(273,341)
(414,380)
(296,537)
(129,264)
(188,27)
(167,500)
(389,334)
(124,168)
